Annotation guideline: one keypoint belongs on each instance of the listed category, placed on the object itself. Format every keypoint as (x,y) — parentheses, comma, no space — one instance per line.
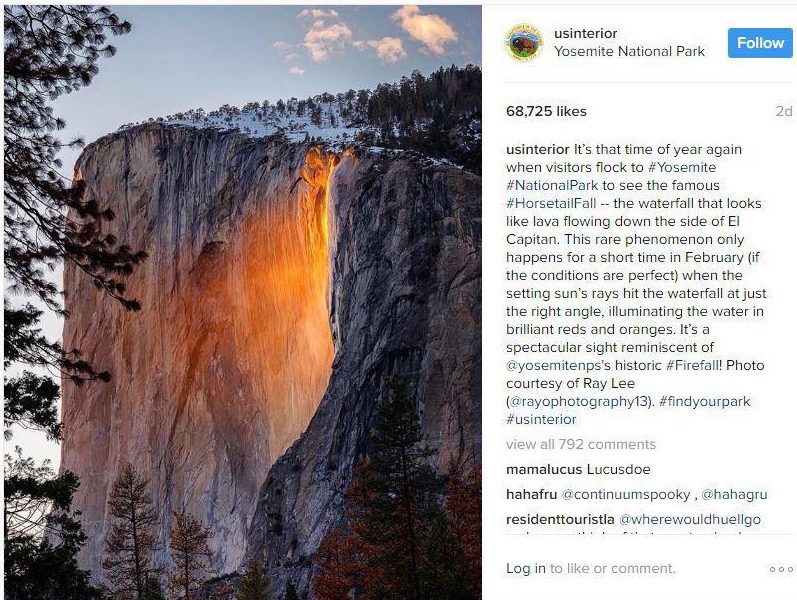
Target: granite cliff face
(285,287)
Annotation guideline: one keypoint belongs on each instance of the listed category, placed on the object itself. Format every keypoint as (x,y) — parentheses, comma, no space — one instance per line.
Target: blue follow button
(761,43)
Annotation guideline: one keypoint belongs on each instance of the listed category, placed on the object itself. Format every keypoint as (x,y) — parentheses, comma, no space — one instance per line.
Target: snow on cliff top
(330,123)
(334,122)
(437,116)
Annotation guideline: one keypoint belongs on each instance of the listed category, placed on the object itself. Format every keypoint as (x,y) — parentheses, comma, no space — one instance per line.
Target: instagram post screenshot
(377,301)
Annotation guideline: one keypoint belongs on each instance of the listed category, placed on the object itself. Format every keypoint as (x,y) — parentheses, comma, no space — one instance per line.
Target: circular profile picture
(523,42)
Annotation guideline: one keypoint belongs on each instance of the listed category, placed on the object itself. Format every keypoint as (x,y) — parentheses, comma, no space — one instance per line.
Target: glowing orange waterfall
(283,325)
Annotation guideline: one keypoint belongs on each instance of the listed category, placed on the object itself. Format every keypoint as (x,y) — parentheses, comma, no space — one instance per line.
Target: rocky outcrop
(267,261)
(406,280)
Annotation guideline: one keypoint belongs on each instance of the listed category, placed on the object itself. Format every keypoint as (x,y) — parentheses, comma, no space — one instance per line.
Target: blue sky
(181,57)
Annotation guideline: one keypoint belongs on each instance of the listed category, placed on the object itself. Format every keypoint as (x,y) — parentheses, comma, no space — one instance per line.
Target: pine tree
(444,571)
(255,584)
(131,543)
(315,116)
(290,592)
(340,563)
(152,589)
(49,51)
(464,508)
(390,509)
(401,493)
(31,400)
(41,537)
(188,541)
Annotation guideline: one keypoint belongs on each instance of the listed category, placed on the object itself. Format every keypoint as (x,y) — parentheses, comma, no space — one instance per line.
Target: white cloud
(281,45)
(322,41)
(327,35)
(317,13)
(296,71)
(388,49)
(433,31)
